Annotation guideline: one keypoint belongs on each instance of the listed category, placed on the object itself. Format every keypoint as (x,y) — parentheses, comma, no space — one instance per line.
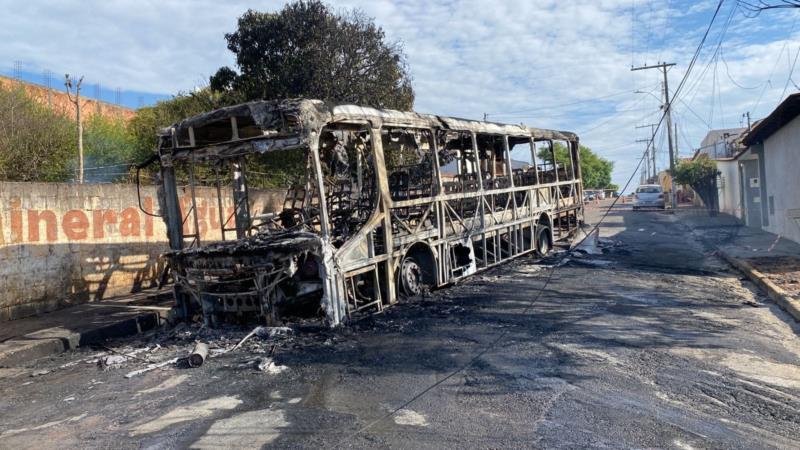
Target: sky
(543,63)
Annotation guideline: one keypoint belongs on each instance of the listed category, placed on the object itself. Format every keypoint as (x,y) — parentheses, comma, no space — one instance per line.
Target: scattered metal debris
(151,367)
(198,355)
(267,365)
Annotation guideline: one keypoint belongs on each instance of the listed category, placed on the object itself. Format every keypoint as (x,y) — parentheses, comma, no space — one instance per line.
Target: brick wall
(62,244)
(58,101)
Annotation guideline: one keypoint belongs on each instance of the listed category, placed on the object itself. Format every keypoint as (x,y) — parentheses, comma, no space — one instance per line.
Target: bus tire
(411,282)
(543,240)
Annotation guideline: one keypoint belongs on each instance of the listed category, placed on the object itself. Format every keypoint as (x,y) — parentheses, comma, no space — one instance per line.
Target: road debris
(198,355)
(111,361)
(153,366)
(264,332)
(268,365)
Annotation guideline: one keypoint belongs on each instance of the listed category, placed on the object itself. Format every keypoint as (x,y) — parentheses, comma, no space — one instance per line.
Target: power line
(576,102)
(791,71)
(695,113)
(566,113)
(768,83)
(728,72)
(694,89)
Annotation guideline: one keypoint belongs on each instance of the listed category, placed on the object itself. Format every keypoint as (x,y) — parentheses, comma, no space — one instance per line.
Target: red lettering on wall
(202,212)
(75,225)
(129,224)
(16,221)
(99,218)
(148,219)
(49,218)
(213,217)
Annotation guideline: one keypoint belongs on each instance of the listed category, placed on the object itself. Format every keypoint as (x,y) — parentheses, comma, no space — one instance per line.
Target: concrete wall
(782,170)
(63,244)
(729,189)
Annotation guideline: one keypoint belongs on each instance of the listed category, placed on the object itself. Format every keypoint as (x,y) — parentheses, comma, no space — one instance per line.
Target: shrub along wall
(63,244)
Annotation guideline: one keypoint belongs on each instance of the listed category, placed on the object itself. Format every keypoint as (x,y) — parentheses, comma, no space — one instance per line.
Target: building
(723,146)
(769,171)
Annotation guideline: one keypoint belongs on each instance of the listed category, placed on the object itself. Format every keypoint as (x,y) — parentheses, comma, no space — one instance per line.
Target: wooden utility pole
(668,113)
(77,101)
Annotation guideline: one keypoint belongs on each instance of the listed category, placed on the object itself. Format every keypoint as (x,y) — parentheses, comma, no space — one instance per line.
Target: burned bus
(382,204)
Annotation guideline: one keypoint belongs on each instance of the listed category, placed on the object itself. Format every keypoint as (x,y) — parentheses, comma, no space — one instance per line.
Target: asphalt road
(655,343)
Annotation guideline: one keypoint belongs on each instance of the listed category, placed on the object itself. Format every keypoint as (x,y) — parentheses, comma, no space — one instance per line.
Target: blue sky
(545,63)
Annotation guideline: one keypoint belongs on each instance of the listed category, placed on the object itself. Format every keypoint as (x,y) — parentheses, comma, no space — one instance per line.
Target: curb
(775,292)
(53,341)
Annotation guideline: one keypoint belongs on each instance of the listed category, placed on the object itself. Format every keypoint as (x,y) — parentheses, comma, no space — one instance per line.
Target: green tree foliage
(701,174)
(109,149)
(36,144)
(596,170)
(696,171)
(306,50)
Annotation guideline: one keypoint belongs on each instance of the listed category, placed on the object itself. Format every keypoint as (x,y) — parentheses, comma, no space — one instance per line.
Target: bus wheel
(410,277)
(543,243)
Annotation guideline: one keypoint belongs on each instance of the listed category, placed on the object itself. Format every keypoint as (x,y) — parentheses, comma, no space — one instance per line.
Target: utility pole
(747,114)
(651,142)
(677,151)
(77,101)
(668,112)
(646,158)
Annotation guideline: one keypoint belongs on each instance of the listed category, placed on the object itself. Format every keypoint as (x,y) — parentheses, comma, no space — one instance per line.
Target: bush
(36,144)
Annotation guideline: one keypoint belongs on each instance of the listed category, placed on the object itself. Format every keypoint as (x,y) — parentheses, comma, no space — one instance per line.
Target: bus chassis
(391,203)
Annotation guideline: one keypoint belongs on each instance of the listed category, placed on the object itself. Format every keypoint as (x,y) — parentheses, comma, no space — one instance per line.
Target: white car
(649,196)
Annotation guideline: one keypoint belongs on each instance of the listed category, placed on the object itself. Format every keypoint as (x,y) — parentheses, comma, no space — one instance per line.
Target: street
(654,343)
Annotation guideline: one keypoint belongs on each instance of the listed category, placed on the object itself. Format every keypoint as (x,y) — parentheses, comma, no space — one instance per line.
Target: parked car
(649,196)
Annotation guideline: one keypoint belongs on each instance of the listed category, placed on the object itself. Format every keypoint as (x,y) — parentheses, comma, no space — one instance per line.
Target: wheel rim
(411,277)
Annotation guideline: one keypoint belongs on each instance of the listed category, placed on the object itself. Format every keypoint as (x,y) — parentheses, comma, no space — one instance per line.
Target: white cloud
(467,57)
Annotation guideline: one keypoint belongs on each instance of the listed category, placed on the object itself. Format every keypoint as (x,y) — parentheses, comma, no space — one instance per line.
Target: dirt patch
(781,270)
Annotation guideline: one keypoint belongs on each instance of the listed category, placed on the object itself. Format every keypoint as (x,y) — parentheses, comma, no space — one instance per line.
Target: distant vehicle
(588,195)
(649,196)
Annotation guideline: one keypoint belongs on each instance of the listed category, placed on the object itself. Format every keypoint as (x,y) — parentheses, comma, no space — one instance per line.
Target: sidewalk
(24,340)
(770,261)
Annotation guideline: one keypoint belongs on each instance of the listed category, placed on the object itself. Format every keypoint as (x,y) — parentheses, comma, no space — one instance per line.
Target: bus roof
(276,118)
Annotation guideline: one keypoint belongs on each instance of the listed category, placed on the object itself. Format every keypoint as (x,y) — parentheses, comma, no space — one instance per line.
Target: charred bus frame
(392,203)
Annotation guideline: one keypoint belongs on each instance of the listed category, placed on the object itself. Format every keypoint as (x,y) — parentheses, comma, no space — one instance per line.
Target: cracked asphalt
(654,343)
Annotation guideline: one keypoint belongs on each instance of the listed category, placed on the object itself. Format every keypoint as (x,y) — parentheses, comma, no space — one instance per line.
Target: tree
(701,174)
(36,144)
(109,149)
(596,171)
(306,50)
